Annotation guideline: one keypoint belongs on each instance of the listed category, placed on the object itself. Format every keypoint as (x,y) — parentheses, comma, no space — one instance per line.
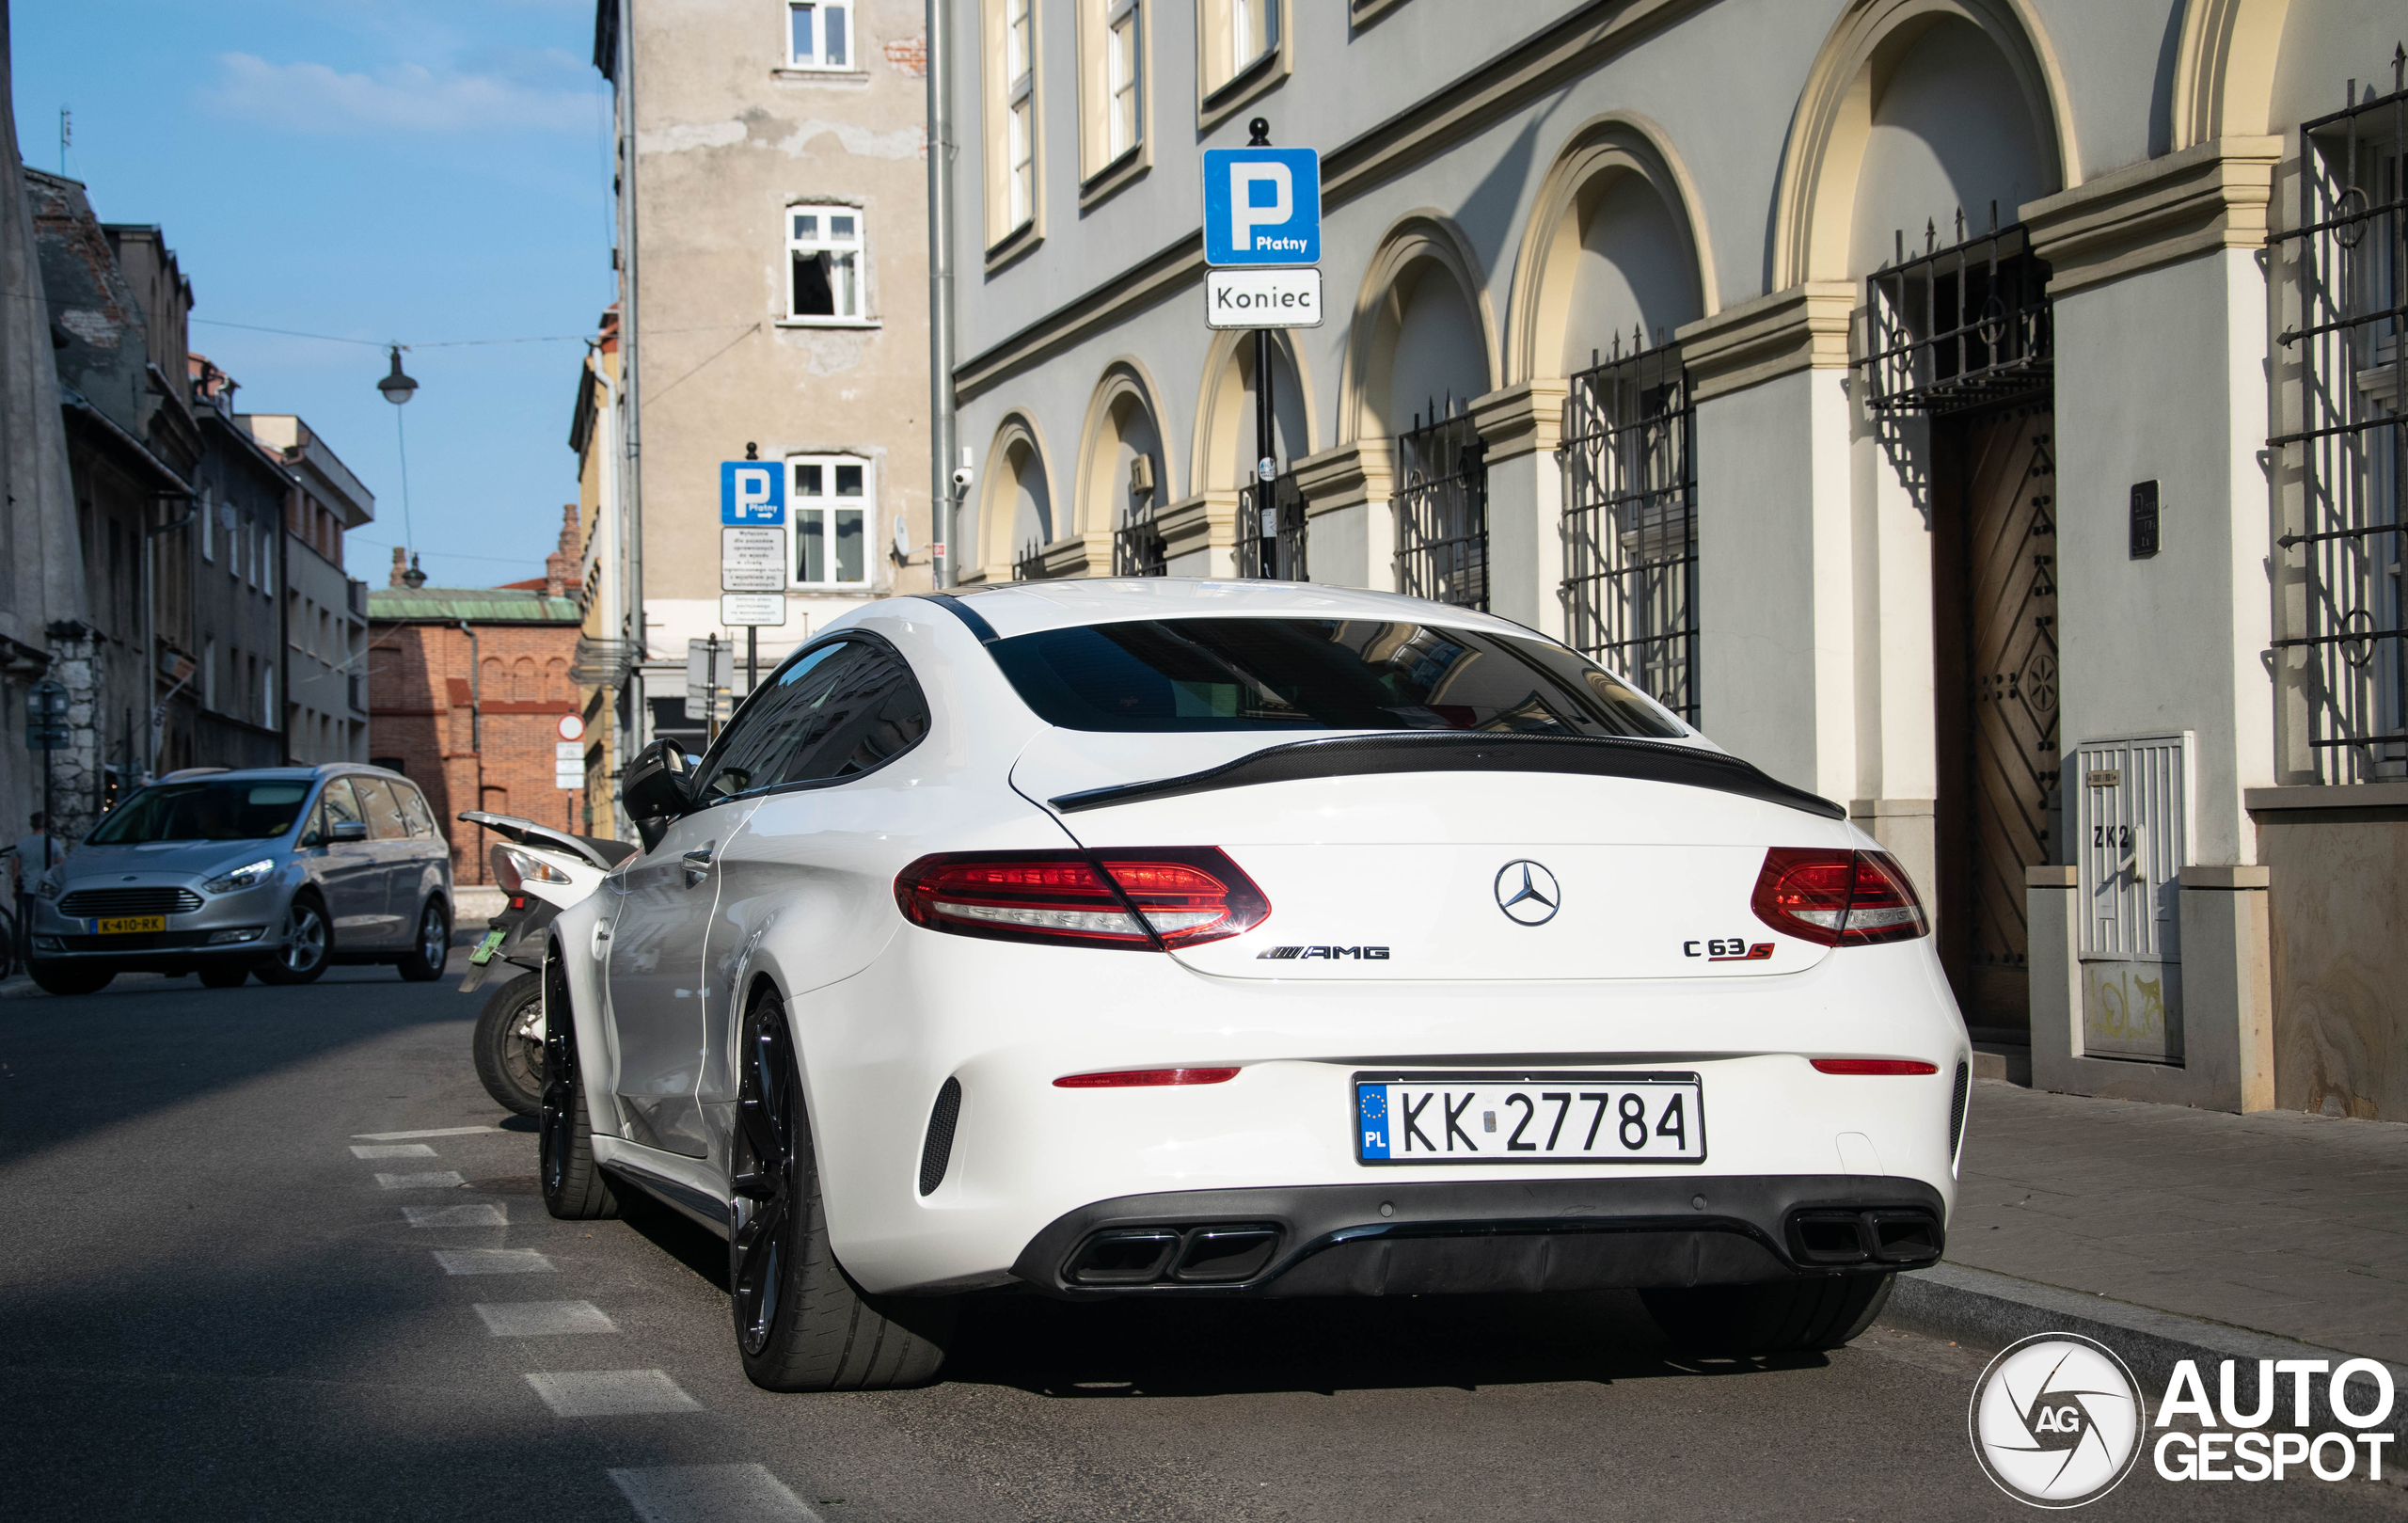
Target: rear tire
(509,1044)
(71,977)
(222,977)
(1787,1316)
(309,944)
(801,1321)
(575,1189)
(433,948)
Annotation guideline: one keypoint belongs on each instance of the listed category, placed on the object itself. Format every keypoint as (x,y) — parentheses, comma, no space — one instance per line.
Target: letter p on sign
(1262,206)
(752,492)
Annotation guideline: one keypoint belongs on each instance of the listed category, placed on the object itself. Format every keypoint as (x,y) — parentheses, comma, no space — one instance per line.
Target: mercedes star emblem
(1527,893)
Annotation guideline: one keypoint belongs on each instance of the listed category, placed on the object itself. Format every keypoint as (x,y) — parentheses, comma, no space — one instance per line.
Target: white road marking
(448,1180)
(612,1393)
(542,1318)
(493,1261)
(488,1215)
(395,1150)
(430,1132)
(710,1493)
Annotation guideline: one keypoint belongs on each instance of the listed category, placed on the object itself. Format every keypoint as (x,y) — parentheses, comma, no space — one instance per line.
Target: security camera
(963,475)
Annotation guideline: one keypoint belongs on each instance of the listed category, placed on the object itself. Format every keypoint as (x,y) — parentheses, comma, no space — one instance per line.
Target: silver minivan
(276,871)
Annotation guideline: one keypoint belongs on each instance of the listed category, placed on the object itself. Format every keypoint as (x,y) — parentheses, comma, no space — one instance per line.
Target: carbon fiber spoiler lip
(1357,755)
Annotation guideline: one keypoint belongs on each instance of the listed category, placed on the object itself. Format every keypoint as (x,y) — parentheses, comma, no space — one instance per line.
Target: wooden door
(1998,650)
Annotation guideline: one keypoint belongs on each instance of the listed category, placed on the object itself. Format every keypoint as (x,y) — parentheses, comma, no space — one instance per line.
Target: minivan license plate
(1626,1117)
(129,925)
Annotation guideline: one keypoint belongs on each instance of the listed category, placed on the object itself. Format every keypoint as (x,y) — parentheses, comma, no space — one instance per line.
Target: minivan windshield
(1222,674)
(208,810)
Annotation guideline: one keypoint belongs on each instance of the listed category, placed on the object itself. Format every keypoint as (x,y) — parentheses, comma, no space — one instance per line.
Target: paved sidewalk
(2280,1222)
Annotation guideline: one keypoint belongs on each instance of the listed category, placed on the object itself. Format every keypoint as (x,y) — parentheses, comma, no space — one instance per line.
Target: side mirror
(654,788)
(348,830)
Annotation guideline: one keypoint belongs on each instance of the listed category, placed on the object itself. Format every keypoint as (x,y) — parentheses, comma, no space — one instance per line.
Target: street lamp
(397,387)
(414,578)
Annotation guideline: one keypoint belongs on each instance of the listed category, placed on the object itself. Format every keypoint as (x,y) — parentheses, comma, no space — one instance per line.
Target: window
(1238,34)
(829,713)
(267,697)
(341,808)
(386,820)
(208,525)
(1019,73)
(209,673)
(1172,674)
(819,35)
(828,497)
(1123,103)
(824,242)
(413,808)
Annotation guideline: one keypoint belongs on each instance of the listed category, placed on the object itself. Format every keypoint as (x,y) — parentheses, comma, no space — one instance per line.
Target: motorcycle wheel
(509,1044)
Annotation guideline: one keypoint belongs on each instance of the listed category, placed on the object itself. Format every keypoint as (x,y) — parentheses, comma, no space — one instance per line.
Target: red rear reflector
(1139,1078)
(1146,899)
(1873,1065)
(1836,898)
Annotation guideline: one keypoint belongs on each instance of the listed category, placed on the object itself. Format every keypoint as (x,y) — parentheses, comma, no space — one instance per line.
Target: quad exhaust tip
(1828,1237)
(1203,1253)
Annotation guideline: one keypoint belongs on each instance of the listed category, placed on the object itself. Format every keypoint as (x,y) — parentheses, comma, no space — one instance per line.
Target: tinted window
(1317,675)
(383,811)
(210,810)
(340,805)
(829,713)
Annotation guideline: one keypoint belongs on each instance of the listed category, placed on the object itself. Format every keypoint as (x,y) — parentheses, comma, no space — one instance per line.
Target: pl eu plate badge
(1373,1099)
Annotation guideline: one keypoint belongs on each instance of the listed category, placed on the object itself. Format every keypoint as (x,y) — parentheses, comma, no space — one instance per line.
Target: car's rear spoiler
(1651,761)
(600,852)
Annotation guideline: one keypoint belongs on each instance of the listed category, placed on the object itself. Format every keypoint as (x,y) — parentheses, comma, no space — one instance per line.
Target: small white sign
(740,610)
(567,754)
(571,727)
(1262,298)
(752,560)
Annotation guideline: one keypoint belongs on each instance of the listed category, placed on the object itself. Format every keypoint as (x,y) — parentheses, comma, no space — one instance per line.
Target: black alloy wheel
(432,948)
(509,1044)
(801,1321)
(309,944)
(573,1184)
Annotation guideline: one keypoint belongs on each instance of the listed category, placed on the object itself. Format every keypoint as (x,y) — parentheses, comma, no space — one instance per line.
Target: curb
(1987,1310)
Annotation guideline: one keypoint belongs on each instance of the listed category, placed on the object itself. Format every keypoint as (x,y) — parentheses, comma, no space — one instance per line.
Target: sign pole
(751,659)
(1266,506)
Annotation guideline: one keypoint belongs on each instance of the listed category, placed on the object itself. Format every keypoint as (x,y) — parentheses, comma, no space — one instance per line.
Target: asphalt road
(210,1307)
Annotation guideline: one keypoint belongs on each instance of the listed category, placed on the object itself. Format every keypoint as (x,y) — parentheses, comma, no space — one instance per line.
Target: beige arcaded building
(773,263)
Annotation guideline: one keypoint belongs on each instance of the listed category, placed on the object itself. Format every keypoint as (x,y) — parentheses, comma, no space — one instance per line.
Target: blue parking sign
(1262,206)
(752,492)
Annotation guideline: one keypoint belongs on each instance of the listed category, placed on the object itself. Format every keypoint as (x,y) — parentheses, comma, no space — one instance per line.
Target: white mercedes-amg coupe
(1176,938)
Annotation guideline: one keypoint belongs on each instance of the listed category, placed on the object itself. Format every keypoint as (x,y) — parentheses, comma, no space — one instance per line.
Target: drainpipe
(940,494)
(476,727)
(630,368)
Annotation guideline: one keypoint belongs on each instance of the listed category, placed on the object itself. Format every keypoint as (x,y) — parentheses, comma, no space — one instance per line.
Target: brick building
(466,686)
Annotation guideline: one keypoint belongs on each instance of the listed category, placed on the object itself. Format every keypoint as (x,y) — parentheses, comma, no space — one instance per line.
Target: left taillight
(1144,899)
(1837,898)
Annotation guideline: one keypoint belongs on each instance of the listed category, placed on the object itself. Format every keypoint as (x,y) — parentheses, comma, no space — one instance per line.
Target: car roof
(1027,607)
(297,774)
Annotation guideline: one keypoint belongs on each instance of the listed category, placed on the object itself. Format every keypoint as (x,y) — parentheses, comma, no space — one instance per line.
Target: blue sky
(424,170)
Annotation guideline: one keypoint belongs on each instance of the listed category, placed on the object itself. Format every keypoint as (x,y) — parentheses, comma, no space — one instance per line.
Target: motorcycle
(544,871)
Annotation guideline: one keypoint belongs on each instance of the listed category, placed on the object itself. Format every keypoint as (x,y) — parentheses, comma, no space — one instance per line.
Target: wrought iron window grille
(1442,510)
(1952,330)
(1629,527)
(1137,547)
(1029,565)
(2342,360)
(1271,530)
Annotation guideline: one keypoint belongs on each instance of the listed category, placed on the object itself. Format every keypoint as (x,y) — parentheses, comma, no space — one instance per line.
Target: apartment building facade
(1981,412)
(325,609)
(773,256)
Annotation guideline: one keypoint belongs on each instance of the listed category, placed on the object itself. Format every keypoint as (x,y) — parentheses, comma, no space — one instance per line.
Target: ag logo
(1527,893)
(2056,1420)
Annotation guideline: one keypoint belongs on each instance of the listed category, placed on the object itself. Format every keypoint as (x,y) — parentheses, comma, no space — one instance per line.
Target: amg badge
(1366,954)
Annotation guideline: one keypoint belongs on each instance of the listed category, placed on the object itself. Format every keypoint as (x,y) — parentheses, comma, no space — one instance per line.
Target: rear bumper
(1486,1236)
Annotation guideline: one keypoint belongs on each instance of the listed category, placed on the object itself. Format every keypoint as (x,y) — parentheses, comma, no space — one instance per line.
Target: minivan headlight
(250,875)
(46,887)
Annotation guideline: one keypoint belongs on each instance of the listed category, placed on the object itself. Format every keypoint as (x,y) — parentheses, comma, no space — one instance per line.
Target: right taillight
(1836,898)
(1149,899)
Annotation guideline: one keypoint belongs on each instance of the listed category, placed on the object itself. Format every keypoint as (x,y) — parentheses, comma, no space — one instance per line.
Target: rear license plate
(129,925)
(1546,1119)
(483,954)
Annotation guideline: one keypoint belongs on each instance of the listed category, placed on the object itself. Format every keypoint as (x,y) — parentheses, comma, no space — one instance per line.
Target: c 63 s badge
(1727,949)
(1361,954)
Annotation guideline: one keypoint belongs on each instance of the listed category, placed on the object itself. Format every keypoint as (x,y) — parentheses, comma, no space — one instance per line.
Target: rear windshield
(1157,675)
(204,812)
